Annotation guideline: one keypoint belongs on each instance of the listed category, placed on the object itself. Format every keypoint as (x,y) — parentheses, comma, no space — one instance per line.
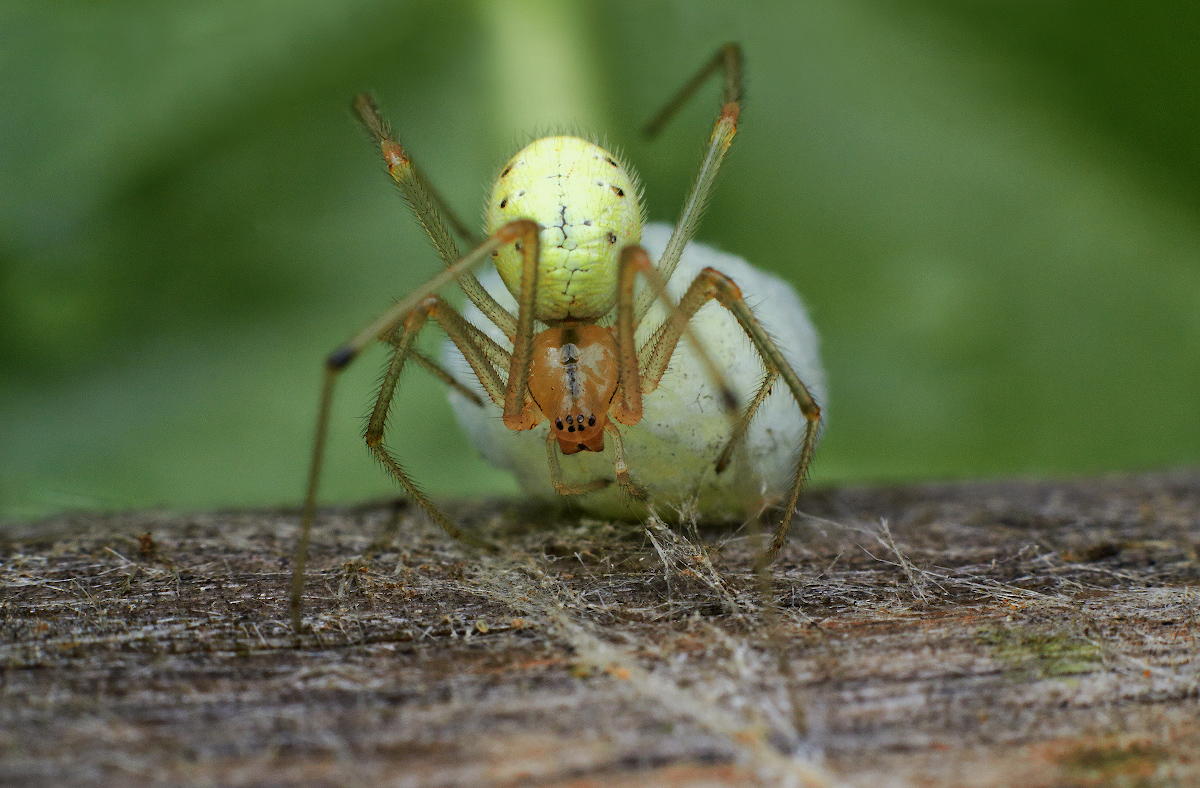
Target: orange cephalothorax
(572,378)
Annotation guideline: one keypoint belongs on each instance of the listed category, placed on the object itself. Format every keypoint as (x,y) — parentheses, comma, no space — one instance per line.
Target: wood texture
(1002,634)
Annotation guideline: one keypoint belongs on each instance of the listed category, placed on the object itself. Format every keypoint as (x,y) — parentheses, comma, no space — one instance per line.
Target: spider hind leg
(711,284)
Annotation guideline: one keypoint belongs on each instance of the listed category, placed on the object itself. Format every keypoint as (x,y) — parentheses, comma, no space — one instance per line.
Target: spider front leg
(429,208)
(655,354)
(474,346)
(728,59)
(387,327)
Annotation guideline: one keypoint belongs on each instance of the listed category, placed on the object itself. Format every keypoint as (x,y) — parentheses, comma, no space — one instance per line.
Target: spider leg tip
(340,357)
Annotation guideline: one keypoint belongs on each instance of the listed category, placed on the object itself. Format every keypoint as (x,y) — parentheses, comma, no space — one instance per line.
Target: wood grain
(1011,633)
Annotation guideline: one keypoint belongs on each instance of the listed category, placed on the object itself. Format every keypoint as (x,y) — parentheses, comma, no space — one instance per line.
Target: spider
(564,231)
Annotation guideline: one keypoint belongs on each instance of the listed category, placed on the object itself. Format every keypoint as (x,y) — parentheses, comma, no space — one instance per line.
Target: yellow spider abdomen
(588,207)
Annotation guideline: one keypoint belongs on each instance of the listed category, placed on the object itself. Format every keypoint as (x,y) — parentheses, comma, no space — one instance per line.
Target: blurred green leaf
(990,208)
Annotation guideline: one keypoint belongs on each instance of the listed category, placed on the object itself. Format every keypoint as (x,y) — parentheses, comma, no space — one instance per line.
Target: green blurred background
(992,209)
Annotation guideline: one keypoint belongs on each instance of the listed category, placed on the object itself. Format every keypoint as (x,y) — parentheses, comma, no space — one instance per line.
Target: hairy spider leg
(710,285)
(388,327)
(729,60)
(428,207)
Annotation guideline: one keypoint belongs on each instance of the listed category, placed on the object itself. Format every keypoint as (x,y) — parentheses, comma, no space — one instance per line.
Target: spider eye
(558,424)
(612,238)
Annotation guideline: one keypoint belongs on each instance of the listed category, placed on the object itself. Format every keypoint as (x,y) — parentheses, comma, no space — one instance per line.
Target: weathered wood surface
(1009,633)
